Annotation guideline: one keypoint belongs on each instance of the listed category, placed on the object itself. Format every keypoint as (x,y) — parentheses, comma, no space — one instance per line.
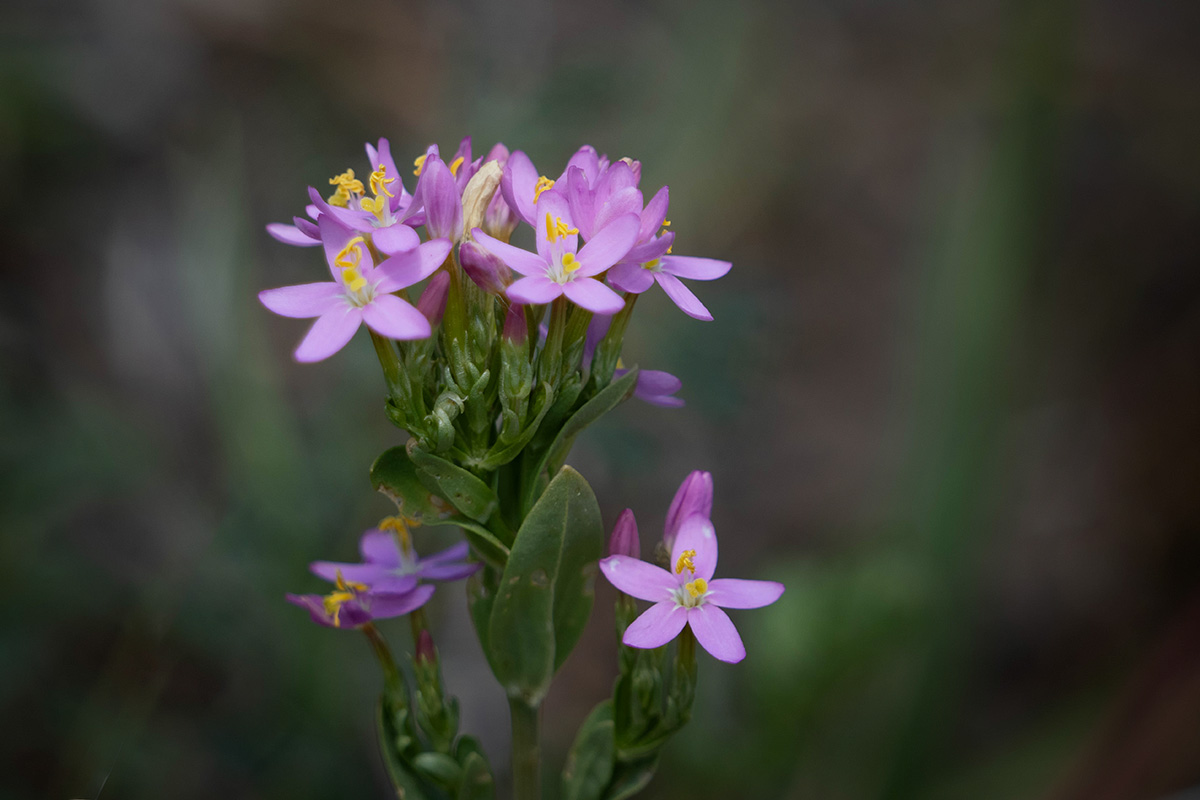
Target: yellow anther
(419,163)
(669,248)
(570,263)
(353,280)
(454,165)
(543,183)
(555,228)
(339,198)
(400,525)
(333,602)
(374,205)
(349,586)
(651,264)
(350,256)
(379,181)
(666,223)
(348,182)
(686,561)
(697,587)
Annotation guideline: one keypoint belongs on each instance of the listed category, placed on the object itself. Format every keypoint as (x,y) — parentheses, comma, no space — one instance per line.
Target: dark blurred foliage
(951,395)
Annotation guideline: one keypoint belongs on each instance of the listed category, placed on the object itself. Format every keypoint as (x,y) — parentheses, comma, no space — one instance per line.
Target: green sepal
(467,493)
(406,783)
(477,782)
(438,768)
(545,594)
(630,777)
(589,765)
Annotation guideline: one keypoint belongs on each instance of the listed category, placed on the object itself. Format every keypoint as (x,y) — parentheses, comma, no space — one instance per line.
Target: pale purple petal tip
(682,296)
(303,301)
(657,625)
(740,593)
(329,334)
(392,317)
(380,547)
(593,295)
(716,634)
(290,234)
(638,578)
(534,291)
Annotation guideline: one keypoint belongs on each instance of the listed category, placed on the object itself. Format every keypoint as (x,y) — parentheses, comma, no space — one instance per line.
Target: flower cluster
(685,593)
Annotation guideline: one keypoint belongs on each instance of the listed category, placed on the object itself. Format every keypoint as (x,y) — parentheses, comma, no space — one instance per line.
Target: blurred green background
(951,396)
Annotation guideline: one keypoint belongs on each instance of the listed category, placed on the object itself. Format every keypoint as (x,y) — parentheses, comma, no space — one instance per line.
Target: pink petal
(579,200)
(356,573)
(697,269)
(519,260)
(383,606)
(404,269)
(380,547)
(608,246)
(682,296)
(455,553)
(586,159)
(657,625)
(390,316)
(631,277)
(638,578)
(395,238)
(534,291)
(335,236)
(655,213)
(739,593)
(650,249)
(303,301)
(696,533)
(328,334)
(518,184)
(626,201)
(716,634)
(290,234)
(593,295)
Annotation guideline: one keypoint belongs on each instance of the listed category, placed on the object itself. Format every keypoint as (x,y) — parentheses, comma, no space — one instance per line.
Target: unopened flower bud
(426,652)
(624,540)
(433,299)
(478,194)
(500,220)
(515,329)
(487,270)
(498,153)
(695,496)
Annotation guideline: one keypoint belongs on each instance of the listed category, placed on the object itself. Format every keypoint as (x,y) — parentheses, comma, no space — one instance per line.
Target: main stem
(526,754)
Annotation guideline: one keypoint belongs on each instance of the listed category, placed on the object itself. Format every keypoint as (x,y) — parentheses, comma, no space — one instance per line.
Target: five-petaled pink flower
(359,292)
(688,594)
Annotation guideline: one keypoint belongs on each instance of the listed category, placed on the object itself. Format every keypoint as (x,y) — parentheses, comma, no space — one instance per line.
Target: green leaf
(631,777)
(545,594)
(466,492)
(395,475)
(600,404)
(477,782)
(590,763)
(407,785)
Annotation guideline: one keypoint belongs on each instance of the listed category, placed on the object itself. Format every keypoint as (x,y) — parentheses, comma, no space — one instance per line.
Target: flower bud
(636,166)
(500,220)
(426,652)
(485,269)
(515,328)
(498,153)
(433,299)
(624,539)
(478,194)
(695,496)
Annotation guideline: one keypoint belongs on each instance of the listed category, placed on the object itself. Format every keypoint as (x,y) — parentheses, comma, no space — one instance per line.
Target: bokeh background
(951,396)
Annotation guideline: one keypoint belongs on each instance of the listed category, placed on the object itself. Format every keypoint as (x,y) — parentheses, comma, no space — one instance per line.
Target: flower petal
(394,584)
(626,201)
(404,269)
(696,533)
(630,277)
(638,578)
(335,236)
(392,317)
(380,547)
(580,201)
(290,234)
(655,213)
(534,291)
(716,634)
(609,245)
(682,296)
(694,496)
(303,301)
(593,295)
(650,249)
(740,593)
(384,606)
(657,625)
(456,553)
(448,572)
(519,260)
(553,206)
(697,269)
(586,159)
(328,334)
(395,238)
(367,574)
(518,183)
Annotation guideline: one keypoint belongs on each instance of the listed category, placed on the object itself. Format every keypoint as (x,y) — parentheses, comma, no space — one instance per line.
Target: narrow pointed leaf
(467,493)
(590,763)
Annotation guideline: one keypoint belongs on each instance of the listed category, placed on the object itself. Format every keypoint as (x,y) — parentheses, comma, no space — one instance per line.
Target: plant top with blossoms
(493,369)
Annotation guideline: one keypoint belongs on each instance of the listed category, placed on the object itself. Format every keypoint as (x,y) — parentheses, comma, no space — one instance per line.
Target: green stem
(548,365)
(608,352)
(391,674)
(526,755)
(389,359)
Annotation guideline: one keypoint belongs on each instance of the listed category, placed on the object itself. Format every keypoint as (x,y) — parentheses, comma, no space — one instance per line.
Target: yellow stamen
(570,263)
(400,525)
(697,587)
(419,163)
(454,165)
(543,183)
(333,602)
(353,280)
(651,264)
(349,256)
(686,561)
(666,223)
(379,181)
(555,228)
(374,205)
(348,182)
(669,248)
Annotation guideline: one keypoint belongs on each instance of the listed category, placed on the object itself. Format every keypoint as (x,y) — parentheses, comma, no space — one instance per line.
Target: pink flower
(359,292)
(688,594)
